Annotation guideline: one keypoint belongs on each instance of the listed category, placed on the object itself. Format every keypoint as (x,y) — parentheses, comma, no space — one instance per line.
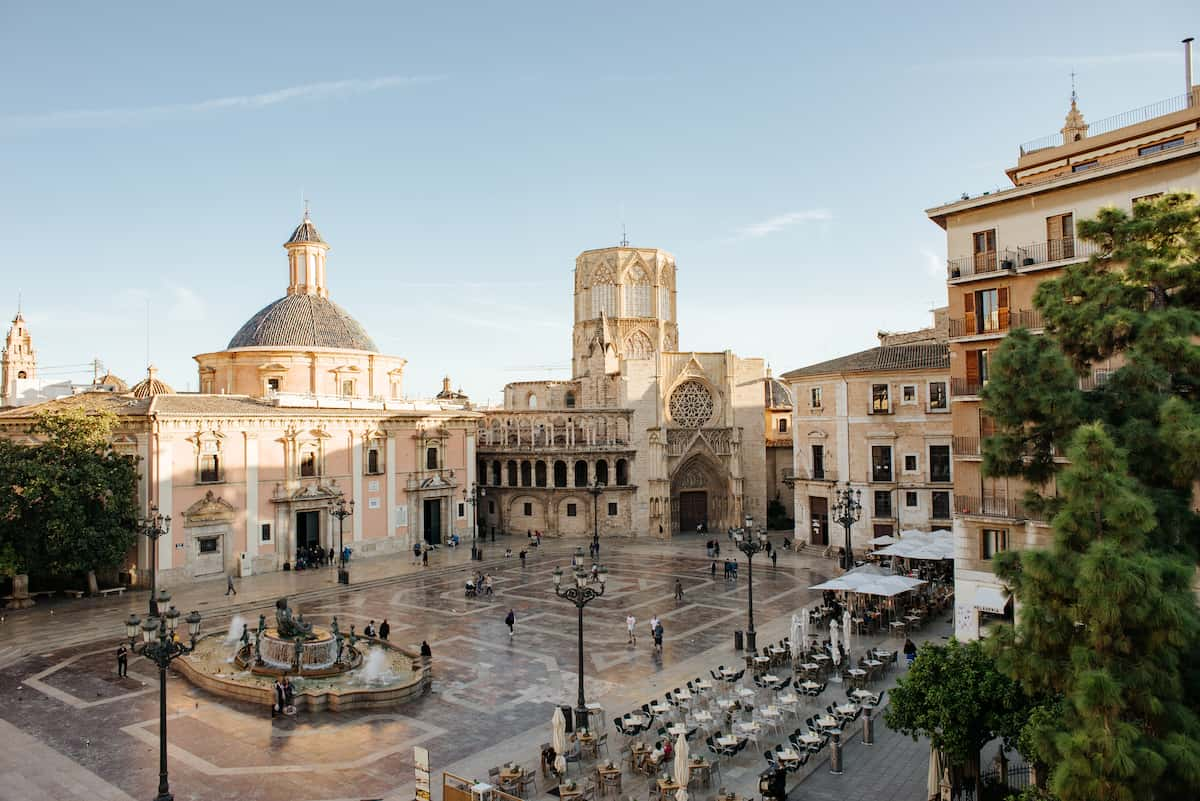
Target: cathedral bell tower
(18,362)
(306,260)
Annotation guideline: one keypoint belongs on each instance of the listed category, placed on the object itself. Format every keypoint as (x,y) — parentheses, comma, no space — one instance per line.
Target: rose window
(691,404)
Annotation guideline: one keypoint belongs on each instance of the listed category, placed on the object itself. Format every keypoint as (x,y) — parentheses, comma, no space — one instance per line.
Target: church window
(637,294)
(532,401)
(308,464)
(569,400)
(373,460)
(210,468)
(560,473)
(526,474)
(691,404)
(604,299)
(431,458)
(581,474)
(622,472)
(208,544)
(782,425)
(638,346)
(539,474)
(602,471)
(664,303)
(511,469)
(495,473)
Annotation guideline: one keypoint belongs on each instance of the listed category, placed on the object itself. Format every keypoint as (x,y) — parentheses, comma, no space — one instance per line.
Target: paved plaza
(73,729)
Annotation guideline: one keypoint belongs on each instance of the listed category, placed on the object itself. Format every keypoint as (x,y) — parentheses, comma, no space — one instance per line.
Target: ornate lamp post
(341,510)
(153,526)
(847,510)
(580,593)
(472,497)
(750,543)
(160,646)
(596,489)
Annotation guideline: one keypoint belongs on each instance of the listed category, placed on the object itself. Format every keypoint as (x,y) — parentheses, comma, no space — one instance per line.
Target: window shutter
(1054,230)
(969,312)
(1002,303)
(987,428)
(972,367)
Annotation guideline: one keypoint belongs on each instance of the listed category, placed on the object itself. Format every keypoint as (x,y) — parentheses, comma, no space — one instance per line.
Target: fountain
(328,668)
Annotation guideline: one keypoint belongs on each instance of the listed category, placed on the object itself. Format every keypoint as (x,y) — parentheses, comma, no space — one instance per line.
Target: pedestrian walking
(332,557)
(653,624)
(713,569)
(910,650)
(425,557)
(510,620)
(416,552)
(522,554)
(384,629)
(678,590)
(775,558)
(658,637)
(122,661)
(631,626)
(229,588)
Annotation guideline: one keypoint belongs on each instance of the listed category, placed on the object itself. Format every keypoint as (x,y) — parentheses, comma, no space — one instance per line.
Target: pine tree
(1108,624)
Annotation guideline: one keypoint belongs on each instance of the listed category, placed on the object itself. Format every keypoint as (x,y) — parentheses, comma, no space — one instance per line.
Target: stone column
(166,477)
(356,488)
(251,515)
(390,477)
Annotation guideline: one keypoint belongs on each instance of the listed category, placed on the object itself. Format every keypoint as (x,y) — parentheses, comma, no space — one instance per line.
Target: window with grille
(939,463)
(210,468)
(528,509)
(937,395)
(883,504)
(266,532)
(431,458)
(881,463)
(571,510)
(612,510)
(880,399)
(910,500)
(941,506)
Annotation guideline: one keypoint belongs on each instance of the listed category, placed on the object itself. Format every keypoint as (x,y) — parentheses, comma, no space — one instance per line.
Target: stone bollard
(868,727)
(835,755)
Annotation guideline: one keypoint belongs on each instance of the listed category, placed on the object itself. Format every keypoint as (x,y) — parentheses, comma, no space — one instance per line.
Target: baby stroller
(471,590)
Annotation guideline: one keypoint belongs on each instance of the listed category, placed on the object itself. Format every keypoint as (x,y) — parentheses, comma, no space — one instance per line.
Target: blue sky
(458,156)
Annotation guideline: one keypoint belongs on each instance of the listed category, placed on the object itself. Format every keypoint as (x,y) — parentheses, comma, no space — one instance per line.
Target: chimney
(1187,68)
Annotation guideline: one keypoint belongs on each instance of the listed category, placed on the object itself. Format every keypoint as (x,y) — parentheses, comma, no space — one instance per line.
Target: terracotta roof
(151,385)
(97,400)
(304,321)
(110,380)
(893,357)
(305,232)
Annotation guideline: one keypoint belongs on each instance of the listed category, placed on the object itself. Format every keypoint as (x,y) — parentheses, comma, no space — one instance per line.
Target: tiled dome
(110,380)
(305,232)
(151,385)
(304,321)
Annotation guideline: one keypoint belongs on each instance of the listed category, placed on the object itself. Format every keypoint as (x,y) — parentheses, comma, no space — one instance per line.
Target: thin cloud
(1109,60)
(934,266)
(90,118)
(779,222)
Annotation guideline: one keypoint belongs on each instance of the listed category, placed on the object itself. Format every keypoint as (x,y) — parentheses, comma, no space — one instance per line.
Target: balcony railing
(828,474)
(966,446)
(1030,318)
(1159,109)
(998,506)
(1013,258)
(1095,380)
(962,388)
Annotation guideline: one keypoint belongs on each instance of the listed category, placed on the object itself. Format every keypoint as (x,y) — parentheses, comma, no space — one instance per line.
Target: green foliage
(777,516)
(1108,624)
(954,695)
(68,503)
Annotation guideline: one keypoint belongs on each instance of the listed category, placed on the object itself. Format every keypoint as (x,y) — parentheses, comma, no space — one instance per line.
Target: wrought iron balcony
(962,388)
(1011,259)
(997,506)
(966,446)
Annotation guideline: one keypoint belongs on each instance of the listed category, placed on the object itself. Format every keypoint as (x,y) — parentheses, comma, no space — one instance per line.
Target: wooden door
(693,510)
(818,509)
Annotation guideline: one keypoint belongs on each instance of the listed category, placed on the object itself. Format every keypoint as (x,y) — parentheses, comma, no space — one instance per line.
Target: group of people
(481,584)
(382,633)
(310,557)
(285,697)
(421,553)
(656,630)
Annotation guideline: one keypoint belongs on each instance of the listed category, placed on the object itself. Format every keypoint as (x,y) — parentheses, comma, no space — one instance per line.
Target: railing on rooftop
(1159,109)
(1014,258)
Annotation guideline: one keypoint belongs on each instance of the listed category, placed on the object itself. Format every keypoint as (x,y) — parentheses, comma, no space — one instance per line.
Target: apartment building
(878,420)
(1001,245)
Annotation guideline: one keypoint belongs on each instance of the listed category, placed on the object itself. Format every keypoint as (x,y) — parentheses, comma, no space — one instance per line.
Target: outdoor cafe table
(660,709)
(898,625)
(808,738)
(677,730)
(811,666)
(762,660)
(703,684)
(809,685)
(872,663)
(846,709)
(565,792)
(510,773)
(727,672)
(883,654)
(725,703)
(770,712)
(770,679)
(862,695)
(748,727)
(822,657)
(856,672)
(635,720)
(481,790)
(703,716)
(667,786)
(827,722)
(683,695)
(728,740)
(787,755)
(745,692)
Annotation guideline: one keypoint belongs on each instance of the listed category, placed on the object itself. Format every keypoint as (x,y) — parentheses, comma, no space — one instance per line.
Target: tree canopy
(67,503)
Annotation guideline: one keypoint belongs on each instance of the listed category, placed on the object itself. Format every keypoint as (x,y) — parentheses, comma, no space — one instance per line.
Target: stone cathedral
(645,439)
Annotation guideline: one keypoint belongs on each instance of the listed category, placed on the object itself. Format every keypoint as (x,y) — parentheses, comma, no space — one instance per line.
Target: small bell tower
(1074,128)
(18,362)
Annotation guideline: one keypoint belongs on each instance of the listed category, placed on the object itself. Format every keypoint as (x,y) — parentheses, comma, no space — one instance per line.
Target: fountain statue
(286,625)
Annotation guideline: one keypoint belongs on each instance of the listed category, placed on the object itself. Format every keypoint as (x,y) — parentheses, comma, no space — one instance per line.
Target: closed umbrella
(847,631)
(558,738)
(796,634)
(681,767)
(804,631)
(834,649)
(934,782)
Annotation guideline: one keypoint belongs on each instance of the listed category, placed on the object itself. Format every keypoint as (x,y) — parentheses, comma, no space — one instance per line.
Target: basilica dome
(303,321)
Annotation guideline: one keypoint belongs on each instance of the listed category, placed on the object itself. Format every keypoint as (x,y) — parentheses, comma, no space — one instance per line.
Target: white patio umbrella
(834,649)
(804,631)
(795,634)
(847,631)
(558,738)
(681,767)
(933,782)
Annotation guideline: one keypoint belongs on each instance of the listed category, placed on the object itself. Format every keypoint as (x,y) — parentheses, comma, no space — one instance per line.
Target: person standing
(369,631)
(713,570)
(277,707)
(653,624)
(426,651)
(122,661)
(522,555)
(678,590)
(658,636)
(775,558)
(425,557)
(510,620)
(384,629)
(229,588)
(416,552)
(332,560)
(631,627)
(910,650)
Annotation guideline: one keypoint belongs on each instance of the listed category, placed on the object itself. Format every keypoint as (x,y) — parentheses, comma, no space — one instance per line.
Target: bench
(74,593)
(42,593)
(111,590)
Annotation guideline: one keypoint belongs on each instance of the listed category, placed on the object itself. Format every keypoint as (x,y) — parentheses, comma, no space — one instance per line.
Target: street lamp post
(847,510)
(750,543)
(596,490)
(153,526)
(472,496)
(161,647)
(580,593)
(341,510)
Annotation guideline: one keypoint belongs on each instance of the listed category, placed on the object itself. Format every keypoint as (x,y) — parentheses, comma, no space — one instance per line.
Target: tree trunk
(92,584)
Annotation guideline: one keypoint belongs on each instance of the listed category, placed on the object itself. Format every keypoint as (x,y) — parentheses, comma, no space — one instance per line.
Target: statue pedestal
(20,595)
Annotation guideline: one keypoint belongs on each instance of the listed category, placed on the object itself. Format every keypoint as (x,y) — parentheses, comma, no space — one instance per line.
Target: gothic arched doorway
(699,496)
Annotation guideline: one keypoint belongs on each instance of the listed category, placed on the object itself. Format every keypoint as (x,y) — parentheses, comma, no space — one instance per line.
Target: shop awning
(991,599)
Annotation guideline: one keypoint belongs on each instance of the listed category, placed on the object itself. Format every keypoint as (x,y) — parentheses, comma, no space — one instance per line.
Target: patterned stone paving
(493,696)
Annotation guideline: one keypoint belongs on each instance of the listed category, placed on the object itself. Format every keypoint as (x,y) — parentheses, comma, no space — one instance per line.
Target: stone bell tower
(18,362)
(306,260)
(624,306)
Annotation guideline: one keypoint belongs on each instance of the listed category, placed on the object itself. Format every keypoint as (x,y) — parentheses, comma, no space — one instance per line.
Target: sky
(458,156)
